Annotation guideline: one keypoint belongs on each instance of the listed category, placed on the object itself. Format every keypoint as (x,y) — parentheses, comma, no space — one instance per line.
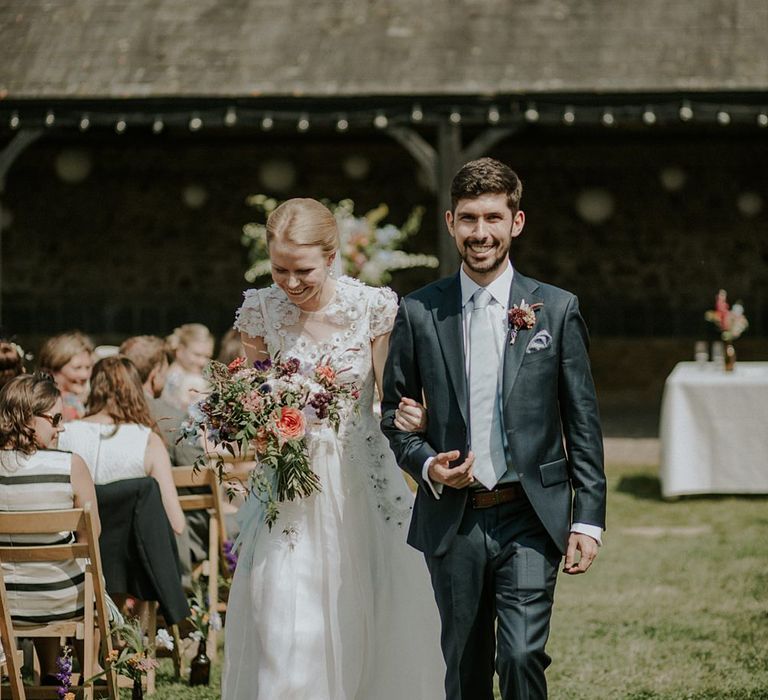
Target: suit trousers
(495,588)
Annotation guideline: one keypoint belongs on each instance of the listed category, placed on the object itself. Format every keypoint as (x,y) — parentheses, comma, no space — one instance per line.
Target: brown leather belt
(480,498)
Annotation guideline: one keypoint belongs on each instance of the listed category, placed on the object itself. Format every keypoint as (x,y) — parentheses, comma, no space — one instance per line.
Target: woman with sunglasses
(34,475)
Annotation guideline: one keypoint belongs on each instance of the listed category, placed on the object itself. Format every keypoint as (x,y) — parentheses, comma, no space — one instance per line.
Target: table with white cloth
(714,430)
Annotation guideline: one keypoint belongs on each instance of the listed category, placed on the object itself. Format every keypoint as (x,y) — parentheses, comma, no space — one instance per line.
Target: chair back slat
(47,552)
(186,477)
(39,522)
(199,501)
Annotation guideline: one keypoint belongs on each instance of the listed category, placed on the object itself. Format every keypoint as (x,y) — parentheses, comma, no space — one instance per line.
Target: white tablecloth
(714,430)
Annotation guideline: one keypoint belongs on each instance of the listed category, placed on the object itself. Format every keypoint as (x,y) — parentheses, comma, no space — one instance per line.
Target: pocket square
(541,341)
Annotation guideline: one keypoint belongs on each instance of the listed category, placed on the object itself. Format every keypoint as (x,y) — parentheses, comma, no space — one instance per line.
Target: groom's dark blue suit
(554,444)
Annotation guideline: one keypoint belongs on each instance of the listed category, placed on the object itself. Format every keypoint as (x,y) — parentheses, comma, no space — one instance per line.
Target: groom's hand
(458,477)
(586,546)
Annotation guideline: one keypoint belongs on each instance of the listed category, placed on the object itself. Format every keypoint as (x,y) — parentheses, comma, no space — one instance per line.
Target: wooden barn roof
(115,49)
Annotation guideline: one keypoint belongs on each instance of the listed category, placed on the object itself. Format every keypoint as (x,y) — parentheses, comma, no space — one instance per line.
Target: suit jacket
(138,547)
(549,408)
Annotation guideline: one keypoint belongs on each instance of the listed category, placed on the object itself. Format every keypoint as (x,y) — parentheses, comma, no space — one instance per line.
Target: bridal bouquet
(267,408)
(730,320)
(369,249)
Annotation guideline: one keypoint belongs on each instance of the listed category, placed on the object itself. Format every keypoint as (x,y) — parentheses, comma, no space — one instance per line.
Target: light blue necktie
(484,413)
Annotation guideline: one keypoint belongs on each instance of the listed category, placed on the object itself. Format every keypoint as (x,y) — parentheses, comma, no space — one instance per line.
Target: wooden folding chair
(96,615)
(209,499)
(12,663)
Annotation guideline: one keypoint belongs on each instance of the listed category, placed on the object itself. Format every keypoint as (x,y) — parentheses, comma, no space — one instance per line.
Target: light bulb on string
(649,116)
(50,118)
(762,119)
(303,123)
(531,113)
(121,125)
(685,112)
(342,124)
(195,123)
(494,116)
(15,121)
(157,125)
(267,122)
(569,116)
(230,116)
(416,114)
(380,121)
(85,123)
(723,118)
(608,118)
(455,117)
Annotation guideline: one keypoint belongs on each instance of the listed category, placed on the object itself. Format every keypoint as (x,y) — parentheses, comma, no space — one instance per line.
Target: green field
(675,607)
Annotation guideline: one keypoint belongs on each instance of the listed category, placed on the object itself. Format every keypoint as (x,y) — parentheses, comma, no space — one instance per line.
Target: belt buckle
(496,497)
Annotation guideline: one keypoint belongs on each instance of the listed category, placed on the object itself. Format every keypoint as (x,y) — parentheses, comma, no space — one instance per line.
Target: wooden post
(440,164)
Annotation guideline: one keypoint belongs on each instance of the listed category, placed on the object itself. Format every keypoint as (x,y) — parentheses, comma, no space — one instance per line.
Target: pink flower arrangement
(730,320)
(267,409)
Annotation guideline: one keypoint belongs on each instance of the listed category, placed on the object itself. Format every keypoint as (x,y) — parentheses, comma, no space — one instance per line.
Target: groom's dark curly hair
(486,176)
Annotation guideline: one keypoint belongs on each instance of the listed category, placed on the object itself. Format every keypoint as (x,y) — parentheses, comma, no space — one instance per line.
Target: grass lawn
(675,607)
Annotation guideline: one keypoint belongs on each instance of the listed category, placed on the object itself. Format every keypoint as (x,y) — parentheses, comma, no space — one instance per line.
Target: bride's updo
(304,221)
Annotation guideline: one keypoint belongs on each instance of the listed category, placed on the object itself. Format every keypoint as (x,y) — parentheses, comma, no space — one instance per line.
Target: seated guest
(192,346)
(231,347)
(152,357)
(11,360)
(34,475)
(118,438)
(69,358)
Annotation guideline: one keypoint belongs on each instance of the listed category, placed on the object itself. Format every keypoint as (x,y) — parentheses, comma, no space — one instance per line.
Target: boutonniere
(521,318)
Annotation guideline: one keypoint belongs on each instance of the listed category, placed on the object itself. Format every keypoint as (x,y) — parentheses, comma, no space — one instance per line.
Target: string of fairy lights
(121,118)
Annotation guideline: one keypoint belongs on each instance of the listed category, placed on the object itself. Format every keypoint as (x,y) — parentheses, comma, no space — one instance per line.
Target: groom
(510,465)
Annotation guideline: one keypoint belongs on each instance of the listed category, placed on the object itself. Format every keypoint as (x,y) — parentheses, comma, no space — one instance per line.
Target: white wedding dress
(332,604)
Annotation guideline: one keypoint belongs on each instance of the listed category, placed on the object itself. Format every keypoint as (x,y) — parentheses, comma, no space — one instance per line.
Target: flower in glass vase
(267,409)
(729,320)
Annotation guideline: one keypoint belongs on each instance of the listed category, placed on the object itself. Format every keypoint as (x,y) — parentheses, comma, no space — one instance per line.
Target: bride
(330,604)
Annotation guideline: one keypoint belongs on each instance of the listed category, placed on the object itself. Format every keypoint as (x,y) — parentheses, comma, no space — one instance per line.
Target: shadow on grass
(640,486)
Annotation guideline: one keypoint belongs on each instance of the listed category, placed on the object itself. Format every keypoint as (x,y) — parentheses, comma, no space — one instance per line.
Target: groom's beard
(493,263)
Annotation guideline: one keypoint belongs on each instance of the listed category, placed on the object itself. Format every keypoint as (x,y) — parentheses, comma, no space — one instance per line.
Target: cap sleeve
(383,311)
(249,318)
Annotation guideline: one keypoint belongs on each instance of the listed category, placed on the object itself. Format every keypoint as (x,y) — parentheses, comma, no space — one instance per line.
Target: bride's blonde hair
(304,221)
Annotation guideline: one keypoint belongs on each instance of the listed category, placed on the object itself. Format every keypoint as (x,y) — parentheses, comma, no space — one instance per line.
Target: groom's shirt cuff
(436,489)
(594,531)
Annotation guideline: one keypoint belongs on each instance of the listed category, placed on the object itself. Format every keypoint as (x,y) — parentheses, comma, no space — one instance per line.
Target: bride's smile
(302,272)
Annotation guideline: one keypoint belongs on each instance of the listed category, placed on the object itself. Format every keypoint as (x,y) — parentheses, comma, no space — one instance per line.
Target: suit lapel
(523,288)
(446,314)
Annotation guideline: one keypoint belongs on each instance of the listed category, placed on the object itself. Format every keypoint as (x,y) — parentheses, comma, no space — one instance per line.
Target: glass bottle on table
(718,355)
(701,354)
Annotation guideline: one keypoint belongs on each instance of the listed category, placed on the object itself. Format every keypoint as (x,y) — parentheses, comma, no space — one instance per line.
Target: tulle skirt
(331,604)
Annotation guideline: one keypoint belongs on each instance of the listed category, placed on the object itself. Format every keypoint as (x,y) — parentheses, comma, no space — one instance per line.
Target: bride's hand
(410,416)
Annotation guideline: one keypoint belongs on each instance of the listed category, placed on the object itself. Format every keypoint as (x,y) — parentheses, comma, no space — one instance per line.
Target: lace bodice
(342,332)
